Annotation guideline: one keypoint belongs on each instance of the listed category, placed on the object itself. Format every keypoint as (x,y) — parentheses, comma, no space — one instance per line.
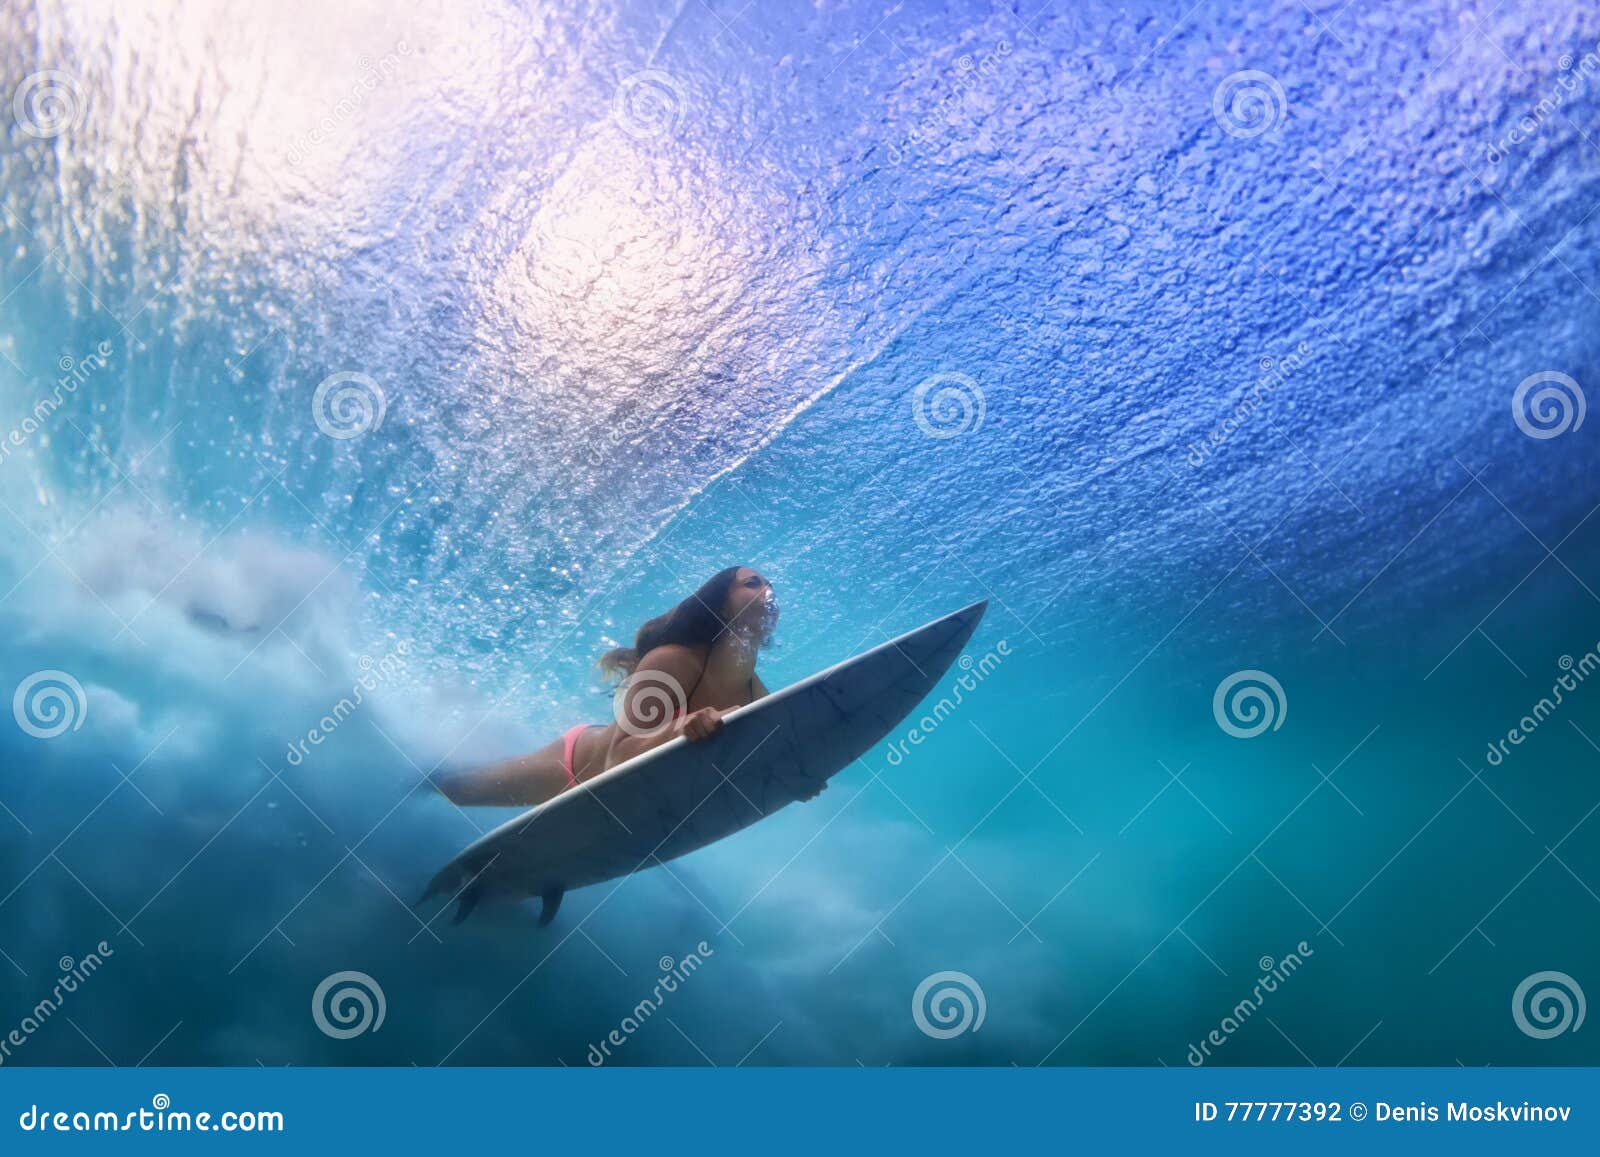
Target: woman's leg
(520,782)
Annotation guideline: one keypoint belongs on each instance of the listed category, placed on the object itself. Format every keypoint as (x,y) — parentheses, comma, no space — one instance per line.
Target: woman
(684,670)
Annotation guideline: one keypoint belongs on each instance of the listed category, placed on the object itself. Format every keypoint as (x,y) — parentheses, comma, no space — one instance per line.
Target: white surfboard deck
(681,796)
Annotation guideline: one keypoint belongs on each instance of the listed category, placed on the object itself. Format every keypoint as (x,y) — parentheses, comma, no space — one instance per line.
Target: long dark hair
(696,620)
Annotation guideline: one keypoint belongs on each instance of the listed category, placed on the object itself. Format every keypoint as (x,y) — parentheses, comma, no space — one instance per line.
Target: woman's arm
(658,688)
(758,687)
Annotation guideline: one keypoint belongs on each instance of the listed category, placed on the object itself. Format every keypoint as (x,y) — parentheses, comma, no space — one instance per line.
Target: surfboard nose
(944,636)
(967,619)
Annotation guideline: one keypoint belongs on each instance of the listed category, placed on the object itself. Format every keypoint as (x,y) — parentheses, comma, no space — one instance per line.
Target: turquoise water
(906,307)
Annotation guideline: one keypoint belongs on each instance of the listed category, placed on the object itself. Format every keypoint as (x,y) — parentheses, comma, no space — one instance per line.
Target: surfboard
(681,796)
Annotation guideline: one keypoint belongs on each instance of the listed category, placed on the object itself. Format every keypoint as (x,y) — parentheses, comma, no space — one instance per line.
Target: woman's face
(751,606)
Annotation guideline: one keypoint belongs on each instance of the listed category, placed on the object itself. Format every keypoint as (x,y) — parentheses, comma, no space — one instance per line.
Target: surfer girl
(684,670)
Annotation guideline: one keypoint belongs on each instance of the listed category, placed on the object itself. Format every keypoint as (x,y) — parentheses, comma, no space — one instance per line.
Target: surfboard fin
(435,887)
(466,902)
(552,903)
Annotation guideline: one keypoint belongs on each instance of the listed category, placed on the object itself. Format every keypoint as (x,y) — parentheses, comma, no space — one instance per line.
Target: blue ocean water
(426,352)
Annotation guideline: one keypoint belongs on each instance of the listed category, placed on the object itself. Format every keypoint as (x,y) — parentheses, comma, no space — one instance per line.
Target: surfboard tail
(469,887)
